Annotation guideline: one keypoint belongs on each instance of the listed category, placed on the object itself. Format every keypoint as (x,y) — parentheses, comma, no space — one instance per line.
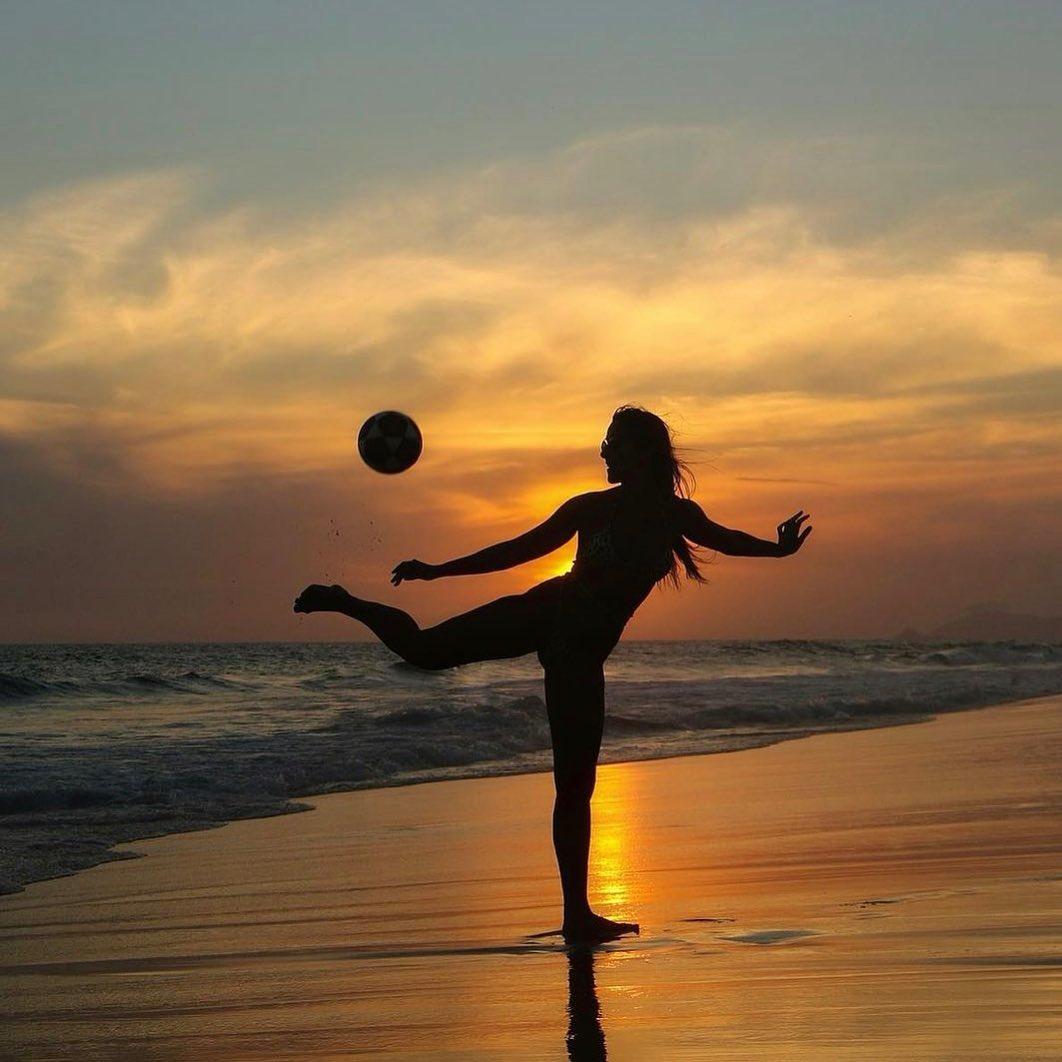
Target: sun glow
(552,566)
(188,355)
(561,567)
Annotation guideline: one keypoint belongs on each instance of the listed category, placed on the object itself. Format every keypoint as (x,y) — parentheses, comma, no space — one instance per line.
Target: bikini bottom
(580,626)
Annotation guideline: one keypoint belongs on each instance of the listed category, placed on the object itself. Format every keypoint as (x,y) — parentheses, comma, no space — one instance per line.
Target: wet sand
(873,894)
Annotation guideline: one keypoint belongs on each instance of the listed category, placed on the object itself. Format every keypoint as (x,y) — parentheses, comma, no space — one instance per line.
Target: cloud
(776,301)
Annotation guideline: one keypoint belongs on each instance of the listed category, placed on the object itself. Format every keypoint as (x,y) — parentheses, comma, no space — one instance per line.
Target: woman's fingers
(790,537)
(789,533)
(404,570)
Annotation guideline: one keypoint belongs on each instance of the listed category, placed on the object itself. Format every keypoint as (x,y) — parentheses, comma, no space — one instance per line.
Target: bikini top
(597,552)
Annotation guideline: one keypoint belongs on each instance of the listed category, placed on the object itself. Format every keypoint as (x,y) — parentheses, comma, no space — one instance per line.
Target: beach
(883,893)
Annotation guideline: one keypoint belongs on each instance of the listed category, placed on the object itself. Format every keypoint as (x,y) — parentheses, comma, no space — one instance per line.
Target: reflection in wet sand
(893,894)
(613,843)
(586,1038)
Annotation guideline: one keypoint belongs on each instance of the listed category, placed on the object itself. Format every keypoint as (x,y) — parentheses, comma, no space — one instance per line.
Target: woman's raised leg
(575,700)
(509,626)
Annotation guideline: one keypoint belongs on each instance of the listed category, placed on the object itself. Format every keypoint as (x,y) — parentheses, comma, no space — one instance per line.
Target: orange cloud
(510,315)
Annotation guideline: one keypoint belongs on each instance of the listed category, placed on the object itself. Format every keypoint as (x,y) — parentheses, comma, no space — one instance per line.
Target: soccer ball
(390,442)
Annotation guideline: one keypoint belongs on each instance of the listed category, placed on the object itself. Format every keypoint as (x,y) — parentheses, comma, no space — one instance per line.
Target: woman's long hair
(669,475)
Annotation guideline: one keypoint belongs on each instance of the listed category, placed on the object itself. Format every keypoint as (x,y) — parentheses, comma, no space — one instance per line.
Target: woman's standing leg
(575,700)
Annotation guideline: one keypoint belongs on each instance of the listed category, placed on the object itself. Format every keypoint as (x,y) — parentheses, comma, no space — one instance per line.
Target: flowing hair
(669,476)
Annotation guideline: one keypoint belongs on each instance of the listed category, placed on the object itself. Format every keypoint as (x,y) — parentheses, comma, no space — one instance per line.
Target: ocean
(107,743)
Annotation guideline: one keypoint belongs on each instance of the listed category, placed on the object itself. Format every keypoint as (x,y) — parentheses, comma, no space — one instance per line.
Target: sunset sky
(823,240)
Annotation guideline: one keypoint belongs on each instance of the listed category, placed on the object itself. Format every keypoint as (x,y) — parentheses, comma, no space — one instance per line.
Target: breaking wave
(114,743)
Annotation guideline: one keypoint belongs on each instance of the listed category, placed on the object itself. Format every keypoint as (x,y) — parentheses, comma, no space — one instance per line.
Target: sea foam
(102,744)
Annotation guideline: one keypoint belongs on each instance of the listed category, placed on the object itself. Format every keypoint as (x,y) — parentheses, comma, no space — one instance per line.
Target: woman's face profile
(617,454)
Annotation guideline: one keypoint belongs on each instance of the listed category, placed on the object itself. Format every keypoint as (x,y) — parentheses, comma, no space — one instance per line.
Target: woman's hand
(790,537)
(413,569)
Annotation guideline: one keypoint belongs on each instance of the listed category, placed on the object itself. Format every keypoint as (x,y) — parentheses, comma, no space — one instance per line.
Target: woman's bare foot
(318,598)
(592,927)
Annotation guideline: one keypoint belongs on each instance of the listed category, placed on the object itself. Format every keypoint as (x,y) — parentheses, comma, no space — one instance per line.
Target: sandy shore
(873,894)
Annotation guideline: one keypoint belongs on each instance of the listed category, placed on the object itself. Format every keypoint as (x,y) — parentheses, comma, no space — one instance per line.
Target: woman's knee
(575,786)
(497,630)
(427,652)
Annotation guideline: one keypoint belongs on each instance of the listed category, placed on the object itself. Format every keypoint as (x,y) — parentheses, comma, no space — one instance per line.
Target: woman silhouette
(629,539)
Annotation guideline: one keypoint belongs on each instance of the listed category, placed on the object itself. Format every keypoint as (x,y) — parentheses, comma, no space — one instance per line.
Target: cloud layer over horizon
(826,324)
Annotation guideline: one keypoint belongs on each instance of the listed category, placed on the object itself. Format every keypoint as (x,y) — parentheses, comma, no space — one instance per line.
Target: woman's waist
(616,594)
(608,577)
(645,570)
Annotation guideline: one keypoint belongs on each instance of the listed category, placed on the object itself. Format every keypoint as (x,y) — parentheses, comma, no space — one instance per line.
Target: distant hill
(990,624)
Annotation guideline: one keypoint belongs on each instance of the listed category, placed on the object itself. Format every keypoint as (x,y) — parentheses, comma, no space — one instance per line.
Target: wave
(677,711)
(967,654)
(21,687)
(100,796)
(628,725)
(16,687)
(272,724)
(64,798)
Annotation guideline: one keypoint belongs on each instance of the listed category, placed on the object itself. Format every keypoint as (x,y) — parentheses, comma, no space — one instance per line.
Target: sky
(822,240)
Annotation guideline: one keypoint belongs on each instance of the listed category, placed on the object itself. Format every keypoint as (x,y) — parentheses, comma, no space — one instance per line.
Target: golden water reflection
(613,842)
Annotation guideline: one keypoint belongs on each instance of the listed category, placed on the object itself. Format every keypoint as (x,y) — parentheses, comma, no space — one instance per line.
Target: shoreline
(118,852)
(891,893)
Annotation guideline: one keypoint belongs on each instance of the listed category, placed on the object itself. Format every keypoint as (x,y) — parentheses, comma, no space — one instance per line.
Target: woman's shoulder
(599,505)
(600,502)
(682,508)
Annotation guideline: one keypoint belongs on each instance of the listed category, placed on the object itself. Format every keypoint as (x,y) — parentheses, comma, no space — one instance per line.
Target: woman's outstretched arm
(698,528)
(551,534)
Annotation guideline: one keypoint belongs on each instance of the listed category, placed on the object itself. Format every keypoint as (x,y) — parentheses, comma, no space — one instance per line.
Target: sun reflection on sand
(612,890)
